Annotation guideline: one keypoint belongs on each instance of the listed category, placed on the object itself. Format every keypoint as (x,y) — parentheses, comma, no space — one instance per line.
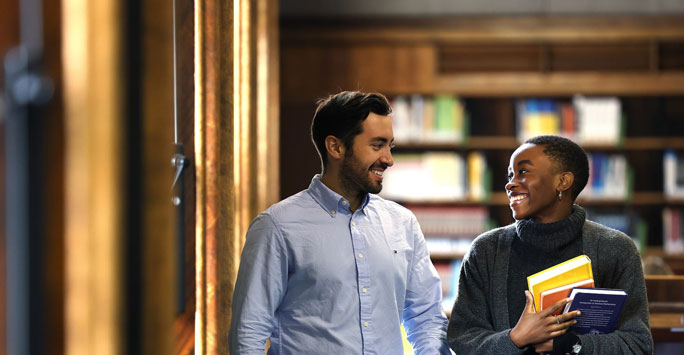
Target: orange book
(569,271)
(549,297)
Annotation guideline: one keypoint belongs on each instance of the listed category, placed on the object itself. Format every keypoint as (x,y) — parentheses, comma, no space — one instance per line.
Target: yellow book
(573,270)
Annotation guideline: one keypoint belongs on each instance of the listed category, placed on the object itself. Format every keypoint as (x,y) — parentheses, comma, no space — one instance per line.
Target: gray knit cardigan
(479,322)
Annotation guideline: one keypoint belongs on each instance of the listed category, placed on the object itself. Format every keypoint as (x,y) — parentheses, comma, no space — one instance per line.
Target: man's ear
(334,147)
(565,181)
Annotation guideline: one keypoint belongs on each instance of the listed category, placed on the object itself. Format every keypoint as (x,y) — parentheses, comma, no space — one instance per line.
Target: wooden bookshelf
(499,198)
(511,143)
(666,307)
(490,62)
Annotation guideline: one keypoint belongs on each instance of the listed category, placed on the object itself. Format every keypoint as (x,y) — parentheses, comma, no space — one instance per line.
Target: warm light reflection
(91,44)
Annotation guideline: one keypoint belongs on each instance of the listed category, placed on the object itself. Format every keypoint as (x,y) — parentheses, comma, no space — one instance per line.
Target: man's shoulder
(291,207)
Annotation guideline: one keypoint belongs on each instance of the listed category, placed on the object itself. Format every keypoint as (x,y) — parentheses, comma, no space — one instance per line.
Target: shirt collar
(330,200)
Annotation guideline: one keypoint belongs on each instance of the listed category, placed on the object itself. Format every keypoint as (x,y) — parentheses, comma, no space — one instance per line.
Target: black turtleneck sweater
(537,247)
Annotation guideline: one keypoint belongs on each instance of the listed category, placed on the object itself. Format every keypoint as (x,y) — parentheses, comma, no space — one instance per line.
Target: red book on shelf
(549,297)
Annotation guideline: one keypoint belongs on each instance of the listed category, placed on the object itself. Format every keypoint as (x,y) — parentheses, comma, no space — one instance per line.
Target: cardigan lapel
(499,281)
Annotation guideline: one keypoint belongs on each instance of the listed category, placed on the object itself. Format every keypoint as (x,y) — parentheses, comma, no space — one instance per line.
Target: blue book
(600,309)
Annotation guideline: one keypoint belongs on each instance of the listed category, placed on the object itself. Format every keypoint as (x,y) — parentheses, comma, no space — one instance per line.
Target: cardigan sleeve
(619,266)
(471,329)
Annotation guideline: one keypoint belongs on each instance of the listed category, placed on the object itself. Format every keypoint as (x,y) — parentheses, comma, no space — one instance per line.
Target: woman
(493,312)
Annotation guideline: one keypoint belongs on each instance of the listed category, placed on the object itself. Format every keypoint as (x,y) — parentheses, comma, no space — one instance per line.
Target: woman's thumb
(529,301)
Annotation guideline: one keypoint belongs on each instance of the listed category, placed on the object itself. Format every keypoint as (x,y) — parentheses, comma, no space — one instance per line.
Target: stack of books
(439,119)
(554,281)
(599,308)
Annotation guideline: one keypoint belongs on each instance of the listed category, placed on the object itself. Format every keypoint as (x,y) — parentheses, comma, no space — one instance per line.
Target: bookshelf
(490,63)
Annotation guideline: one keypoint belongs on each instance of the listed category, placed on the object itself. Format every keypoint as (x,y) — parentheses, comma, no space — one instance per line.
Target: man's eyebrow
(381,139)
(526,161)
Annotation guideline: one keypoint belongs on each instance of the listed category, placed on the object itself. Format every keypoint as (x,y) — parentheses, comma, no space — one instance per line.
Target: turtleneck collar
(552,236)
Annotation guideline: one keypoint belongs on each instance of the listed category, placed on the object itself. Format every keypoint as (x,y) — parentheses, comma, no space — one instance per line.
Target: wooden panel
(158,243)
(53,165)
(482,29)
(94,178)
(527,84)
(666,307)
(665,288)
(490,58)
(214,151)
(316,71)
(672,56)
(603,57)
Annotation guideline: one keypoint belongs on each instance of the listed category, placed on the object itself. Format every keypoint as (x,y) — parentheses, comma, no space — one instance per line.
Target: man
(336,269)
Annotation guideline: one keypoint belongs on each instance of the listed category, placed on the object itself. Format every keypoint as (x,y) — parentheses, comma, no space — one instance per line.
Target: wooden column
(215,193)
(236,147)
(93,176)
(158,218)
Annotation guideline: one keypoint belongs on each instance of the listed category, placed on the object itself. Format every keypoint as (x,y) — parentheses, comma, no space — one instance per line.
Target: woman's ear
(334,147)
(565,181)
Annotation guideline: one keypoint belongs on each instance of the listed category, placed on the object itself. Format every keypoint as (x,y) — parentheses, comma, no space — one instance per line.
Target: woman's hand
(545,347)
(539,328)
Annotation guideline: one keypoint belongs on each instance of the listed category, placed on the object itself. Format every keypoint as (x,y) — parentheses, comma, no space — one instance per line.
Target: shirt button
(353,223)
(365,324)
(344,203)
(361,255)
(332,211)
(364,290)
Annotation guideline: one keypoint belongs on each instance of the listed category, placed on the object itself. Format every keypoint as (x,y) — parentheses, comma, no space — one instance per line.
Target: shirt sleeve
(259,288)
(471,329)
(423,318)
(632,332)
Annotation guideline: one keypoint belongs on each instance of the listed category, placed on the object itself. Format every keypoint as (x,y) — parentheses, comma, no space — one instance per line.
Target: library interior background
(139,139)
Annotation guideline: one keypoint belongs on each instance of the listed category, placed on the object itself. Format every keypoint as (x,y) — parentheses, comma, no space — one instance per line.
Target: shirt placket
(364,287)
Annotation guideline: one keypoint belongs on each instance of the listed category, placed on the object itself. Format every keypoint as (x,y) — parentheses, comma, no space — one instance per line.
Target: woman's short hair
(568,156)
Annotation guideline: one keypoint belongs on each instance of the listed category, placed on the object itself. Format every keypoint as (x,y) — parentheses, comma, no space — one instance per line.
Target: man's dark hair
(341,115)
(568,156)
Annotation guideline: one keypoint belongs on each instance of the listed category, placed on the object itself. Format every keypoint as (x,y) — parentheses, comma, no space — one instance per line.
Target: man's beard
(354,177)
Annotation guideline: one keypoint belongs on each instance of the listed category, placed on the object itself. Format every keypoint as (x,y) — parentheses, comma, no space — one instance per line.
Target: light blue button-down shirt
(319,279)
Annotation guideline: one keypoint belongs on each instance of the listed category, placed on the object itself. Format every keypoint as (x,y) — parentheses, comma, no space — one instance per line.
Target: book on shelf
(673,233)
(418,118)
(599,120)
(568,121)
(625,219)
(450,120)
(442,176)
(401,119)
(448,272)
(449,230)
(551,296)
(673,174)
(537,117)
(600,309)
(479,177)
(610,177)
(569,271)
